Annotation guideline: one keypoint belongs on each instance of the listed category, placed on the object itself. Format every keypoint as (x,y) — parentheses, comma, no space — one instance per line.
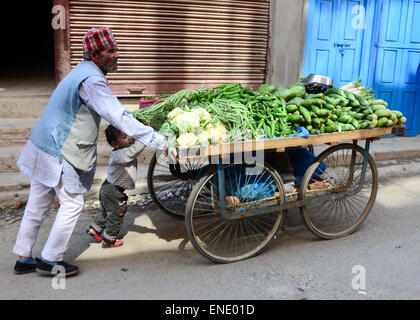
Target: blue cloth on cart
(300,132)
(249,186)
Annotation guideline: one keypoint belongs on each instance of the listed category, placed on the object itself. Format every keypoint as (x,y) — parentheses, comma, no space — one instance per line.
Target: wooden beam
(282,143)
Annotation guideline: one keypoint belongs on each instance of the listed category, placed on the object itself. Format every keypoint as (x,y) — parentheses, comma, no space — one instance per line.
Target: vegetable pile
(342,109)
(231,112)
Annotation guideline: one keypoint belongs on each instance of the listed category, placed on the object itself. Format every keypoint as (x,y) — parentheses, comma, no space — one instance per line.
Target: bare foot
(232,201)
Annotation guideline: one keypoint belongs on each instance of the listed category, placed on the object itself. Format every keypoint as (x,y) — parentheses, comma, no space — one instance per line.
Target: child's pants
(113,202)
(40,200)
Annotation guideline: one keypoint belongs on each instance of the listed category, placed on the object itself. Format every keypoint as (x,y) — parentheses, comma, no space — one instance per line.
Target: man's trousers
(40,200)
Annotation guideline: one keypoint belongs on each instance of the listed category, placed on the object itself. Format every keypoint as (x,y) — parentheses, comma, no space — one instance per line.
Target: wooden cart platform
(284,142)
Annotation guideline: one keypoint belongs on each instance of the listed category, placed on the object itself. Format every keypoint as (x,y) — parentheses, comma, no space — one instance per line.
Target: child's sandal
(95,235)
(117,243)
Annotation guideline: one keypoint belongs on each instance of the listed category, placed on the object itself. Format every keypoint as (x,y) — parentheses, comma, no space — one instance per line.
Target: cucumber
(316,123)
(306,114)
(295,117)
(393,116)
(380,101)
(330,100)
(329,106)
(348,127)
(307,103)
(382,122)
(383,113)
(345,118)
(356,115)
(296,101)
(316,110)
(355,123)
(349,95)
(365,124)
(377,107)
(398,113)
(324,112)
(335,91)
(372,116)
(314,95)
(319,102)
(362,101)
(367,112)
(354,103)
(330,129)
(291,108)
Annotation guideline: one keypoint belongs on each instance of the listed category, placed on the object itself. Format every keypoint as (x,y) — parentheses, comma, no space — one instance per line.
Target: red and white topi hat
(98,39)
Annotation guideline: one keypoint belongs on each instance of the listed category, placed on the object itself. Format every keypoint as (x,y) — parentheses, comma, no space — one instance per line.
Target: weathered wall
(288,30)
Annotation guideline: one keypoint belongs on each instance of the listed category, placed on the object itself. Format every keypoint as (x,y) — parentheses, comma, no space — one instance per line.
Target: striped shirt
(122,166)
(96,94)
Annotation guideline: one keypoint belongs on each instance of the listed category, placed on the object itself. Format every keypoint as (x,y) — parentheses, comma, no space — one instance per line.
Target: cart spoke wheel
(170,185)
(227,240)
(339,216)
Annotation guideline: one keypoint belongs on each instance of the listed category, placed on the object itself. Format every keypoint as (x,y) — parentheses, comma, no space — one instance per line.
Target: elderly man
(60,156)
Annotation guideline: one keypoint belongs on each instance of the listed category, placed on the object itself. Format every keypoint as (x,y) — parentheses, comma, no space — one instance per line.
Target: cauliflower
(203,137)
(183,119)
(203,113)
(174,113)
(186,140)
(217,132)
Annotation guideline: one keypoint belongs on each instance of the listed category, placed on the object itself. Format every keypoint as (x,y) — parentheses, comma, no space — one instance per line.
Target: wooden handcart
(233,202)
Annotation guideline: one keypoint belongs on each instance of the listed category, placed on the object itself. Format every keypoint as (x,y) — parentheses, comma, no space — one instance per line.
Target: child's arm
(129,154)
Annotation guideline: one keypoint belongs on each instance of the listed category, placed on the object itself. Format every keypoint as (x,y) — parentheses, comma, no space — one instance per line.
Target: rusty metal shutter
(169,45)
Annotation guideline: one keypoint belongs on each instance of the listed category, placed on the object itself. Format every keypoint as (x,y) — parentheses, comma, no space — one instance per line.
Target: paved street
(158,262)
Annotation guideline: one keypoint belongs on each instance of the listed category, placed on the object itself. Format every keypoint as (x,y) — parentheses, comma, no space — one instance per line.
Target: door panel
(398,59)
(387,76)
(334,48)
(320,53)
(413,31)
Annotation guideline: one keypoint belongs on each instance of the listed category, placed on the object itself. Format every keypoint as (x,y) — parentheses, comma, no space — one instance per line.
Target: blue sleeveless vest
(53,128)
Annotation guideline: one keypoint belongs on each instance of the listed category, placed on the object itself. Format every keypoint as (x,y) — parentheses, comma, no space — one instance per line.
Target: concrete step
(22,107)
(16,186)
(18,117)
(16,131)
(9,155)
(30,106)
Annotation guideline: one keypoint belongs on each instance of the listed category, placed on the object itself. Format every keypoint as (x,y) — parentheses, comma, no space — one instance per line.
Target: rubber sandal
(95,236)
(117,243)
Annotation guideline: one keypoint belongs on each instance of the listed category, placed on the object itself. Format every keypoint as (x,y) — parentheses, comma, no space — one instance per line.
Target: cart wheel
(170,184)
(334,218)
(227,240)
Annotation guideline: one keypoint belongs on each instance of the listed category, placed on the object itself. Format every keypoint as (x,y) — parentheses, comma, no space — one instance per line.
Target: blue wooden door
(396,78)
(333,45)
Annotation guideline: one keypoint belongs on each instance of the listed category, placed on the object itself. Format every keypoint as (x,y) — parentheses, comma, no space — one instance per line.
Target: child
(122,173)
